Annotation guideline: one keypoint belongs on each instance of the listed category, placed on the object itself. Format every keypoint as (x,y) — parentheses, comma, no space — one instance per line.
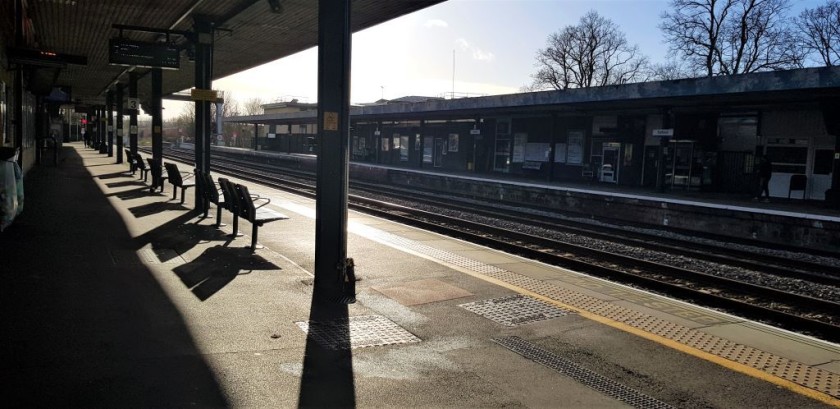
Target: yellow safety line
(735,366)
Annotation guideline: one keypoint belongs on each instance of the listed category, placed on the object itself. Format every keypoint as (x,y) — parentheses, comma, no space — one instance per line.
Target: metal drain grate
(591,379)
(358,332)
(515,310)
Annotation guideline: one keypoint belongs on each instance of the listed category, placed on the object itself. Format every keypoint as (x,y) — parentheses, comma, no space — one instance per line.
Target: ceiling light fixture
(275,6)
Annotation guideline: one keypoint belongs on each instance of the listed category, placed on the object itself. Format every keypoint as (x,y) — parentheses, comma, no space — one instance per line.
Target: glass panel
(823,159)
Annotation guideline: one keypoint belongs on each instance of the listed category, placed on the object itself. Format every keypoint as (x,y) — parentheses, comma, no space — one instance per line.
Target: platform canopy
(66,42)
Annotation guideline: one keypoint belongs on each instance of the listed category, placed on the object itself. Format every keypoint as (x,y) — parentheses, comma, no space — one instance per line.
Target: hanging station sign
(143,54)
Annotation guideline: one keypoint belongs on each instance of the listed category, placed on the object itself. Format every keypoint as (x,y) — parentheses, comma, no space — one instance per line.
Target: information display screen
(141,54)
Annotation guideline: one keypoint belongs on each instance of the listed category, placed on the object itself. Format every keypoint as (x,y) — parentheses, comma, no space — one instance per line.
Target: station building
(700,133)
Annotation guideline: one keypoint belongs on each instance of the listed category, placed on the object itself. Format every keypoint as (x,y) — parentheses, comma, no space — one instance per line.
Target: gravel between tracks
(798,286)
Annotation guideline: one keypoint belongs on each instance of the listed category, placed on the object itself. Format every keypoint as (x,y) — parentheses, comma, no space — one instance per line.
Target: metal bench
(210,194)
(129,158)
(140,165)
(229,194)
(257,215)
(158,178)
(177,181)
(242,205)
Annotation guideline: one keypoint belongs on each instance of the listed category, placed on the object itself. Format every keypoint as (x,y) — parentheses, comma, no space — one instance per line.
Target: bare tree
(253,106)
(725,37)
(671,70)
(819,32)
(184,122)
(592,53)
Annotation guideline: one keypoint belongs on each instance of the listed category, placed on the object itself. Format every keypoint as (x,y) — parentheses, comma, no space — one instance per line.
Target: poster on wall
(453,142)
(537,152)
(519,142)
(560,153)
(574,149)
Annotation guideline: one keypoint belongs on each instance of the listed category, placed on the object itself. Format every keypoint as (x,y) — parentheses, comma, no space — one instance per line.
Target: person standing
(765,171)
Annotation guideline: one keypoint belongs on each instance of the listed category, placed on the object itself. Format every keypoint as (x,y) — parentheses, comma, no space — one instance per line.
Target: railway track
(787,309)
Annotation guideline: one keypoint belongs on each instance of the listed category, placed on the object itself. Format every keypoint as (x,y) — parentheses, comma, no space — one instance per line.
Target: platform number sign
(133,103)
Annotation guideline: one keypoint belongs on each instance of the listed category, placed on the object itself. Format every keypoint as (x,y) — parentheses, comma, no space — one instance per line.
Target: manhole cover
(359,332)
(515,310)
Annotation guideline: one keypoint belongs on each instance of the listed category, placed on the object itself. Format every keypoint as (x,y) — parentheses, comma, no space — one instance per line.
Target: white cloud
(477,53)
(435,23)
(482,55)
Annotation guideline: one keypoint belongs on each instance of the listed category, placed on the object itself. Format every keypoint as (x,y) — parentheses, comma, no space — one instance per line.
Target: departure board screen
(142,54)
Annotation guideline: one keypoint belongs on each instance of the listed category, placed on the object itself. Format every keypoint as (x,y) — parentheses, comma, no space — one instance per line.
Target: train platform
(113,296)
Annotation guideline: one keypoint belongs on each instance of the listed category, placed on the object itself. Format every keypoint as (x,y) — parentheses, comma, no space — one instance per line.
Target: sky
(473,47)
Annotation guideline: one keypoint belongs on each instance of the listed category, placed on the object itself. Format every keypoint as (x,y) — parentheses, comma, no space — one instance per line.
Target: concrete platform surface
(116,297)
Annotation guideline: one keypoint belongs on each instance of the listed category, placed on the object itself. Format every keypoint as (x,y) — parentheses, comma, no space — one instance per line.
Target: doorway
(610,155)
(440,150)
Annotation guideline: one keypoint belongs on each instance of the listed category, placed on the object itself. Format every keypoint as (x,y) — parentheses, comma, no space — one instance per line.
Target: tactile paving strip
(160,256)
(357,332)
(591,379)
(515,310)
(793,371)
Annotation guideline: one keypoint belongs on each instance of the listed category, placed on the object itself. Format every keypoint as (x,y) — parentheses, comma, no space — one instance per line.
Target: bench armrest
(267,200)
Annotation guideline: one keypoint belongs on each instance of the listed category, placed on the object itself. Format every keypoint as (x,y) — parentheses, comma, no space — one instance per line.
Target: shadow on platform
(79,329)
(327,377)
(216,267)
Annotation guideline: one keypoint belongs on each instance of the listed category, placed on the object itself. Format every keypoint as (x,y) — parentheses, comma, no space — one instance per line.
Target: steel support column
(551,149)
(100,123)
(109,108)
(157,124)
(132,118)
(18,86)
(327,378)
(18,117)
(333,154)
(667,123)
(119,109)
(203,80)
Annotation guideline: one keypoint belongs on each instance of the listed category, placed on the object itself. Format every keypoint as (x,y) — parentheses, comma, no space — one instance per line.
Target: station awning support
(132,118)
(331,263)
(119,108)
(203,81)
(157,120)
(109,109)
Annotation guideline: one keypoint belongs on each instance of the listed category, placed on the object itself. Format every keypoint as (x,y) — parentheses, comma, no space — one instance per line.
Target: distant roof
(788,89)
(411,99)
(289,104)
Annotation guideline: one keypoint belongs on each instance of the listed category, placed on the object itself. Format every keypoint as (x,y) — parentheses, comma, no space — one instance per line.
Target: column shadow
(327,377)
